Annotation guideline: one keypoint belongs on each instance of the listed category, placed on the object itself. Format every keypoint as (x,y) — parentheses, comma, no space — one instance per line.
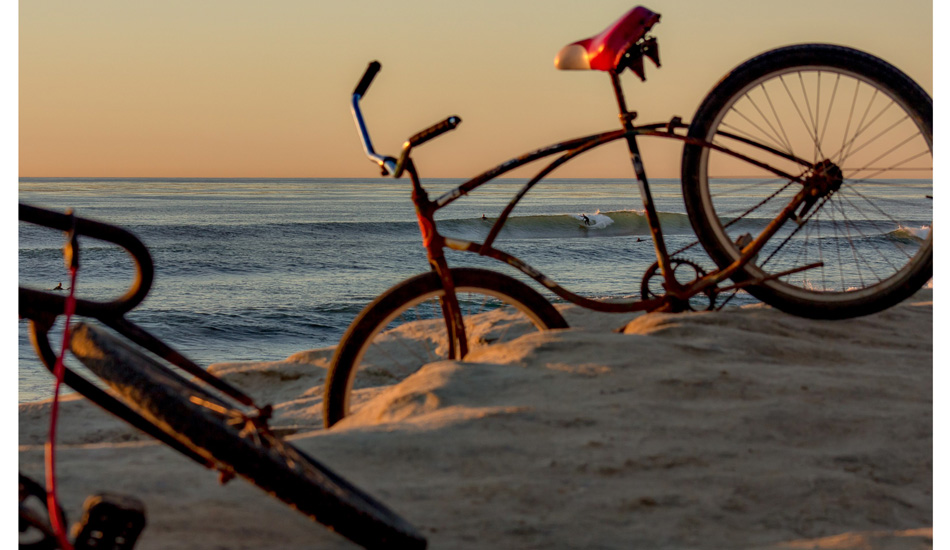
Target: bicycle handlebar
(434,131)
(36,303)
(389,165)
(367,79)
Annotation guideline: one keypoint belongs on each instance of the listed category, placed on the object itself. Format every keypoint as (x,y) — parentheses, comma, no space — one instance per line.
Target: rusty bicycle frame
(676,294)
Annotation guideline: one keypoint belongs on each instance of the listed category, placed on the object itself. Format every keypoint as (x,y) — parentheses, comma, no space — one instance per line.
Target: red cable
(56,519)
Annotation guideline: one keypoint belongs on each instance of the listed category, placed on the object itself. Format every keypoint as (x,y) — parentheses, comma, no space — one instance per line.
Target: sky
(239,88)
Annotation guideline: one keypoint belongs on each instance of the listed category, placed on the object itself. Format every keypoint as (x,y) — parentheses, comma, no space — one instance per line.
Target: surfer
(484,218)
(586,219)
(59,287)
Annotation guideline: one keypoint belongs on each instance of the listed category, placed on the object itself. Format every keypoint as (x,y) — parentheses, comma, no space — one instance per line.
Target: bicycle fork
(670,284)
(434,245)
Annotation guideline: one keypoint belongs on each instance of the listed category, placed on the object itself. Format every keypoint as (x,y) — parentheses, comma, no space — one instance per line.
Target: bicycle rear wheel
(865,130)
(221,434)
(404,329)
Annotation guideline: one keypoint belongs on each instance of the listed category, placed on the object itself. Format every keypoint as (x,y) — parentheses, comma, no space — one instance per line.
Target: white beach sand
(747,428)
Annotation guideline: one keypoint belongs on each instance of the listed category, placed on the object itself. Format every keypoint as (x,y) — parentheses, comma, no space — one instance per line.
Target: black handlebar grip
(368,77)
(437,130)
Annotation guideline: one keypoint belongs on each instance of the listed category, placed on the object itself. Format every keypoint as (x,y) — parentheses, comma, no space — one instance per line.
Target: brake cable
(71,256)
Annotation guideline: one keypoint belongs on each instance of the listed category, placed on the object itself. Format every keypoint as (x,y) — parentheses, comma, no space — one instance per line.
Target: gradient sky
(239,88)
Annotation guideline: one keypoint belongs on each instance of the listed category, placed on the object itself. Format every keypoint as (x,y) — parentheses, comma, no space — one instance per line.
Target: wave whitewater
(554,226)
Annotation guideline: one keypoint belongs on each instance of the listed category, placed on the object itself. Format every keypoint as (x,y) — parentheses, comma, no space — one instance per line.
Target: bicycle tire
(277,467)
(873,233)
(497,290)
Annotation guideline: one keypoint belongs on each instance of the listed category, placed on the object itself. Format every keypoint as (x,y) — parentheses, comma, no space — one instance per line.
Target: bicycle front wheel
(862,131)
(404,329)
(223,436)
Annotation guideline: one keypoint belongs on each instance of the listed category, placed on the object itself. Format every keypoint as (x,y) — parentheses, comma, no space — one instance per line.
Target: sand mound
(737,429)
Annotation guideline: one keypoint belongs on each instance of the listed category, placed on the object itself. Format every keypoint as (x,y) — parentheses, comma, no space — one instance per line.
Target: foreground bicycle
(206,419)
(807,177)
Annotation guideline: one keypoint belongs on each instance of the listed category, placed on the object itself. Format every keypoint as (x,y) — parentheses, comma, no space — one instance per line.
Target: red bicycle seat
(604,51)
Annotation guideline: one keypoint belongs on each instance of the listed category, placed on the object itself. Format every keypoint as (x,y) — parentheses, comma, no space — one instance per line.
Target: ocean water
(259,269)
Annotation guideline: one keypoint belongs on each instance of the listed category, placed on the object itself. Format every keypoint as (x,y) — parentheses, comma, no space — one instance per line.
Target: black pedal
(109,522)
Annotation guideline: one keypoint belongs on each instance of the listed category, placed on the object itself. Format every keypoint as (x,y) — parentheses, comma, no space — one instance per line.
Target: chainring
(685,271)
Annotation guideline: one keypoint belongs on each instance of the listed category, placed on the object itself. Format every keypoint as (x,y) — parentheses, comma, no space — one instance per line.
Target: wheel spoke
(831,103)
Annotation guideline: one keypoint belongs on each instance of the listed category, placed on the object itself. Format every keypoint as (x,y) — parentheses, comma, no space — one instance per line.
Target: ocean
(259,269)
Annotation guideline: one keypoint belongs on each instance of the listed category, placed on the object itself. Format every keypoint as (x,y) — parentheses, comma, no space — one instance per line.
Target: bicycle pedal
(109,522)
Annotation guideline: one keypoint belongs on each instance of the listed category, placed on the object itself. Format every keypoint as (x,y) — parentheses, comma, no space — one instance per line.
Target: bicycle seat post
(626,117)
(653,218)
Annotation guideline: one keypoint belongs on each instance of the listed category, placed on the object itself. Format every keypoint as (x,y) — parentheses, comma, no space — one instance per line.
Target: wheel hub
(826,178)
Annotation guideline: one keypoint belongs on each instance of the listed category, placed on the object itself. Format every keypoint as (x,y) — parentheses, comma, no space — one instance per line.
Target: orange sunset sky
(241,88)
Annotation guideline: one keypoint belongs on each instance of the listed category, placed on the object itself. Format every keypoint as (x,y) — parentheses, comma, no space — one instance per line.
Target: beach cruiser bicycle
(806,175)
(204,418)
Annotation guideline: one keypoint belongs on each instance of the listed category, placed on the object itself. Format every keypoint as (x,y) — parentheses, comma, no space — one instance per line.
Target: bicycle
(788,174)
(206,419)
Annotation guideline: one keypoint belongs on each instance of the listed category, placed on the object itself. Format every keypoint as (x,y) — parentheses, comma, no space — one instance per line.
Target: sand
(746,428)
